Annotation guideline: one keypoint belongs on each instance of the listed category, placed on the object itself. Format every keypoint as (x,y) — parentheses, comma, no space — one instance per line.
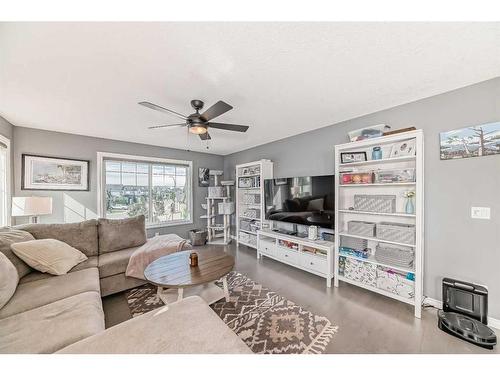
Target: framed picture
(352,157)
(52,173)
(405,148)
(476,140)
(203,177)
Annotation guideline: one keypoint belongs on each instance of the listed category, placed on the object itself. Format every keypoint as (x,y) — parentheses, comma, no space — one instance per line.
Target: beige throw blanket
(153,249)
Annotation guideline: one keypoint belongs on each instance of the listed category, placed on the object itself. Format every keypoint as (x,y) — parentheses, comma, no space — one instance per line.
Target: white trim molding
(8,180)
(492,322)
(101,156)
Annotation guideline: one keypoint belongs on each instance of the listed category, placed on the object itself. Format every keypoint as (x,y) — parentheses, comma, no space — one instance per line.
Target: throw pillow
(82,235)
(8,236)
(121,234)
(316,204)
(8,280)
(49,255)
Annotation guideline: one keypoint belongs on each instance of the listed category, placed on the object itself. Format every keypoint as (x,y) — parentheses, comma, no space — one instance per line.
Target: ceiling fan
(199,123)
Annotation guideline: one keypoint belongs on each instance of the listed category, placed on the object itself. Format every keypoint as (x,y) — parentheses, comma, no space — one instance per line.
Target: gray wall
(455,245)
(47,143)
(6,128)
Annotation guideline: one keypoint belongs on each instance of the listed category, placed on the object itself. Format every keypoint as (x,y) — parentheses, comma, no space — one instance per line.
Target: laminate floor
(368,322)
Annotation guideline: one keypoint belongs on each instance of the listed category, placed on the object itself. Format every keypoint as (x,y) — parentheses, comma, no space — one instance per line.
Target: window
(4,181)
(160,189)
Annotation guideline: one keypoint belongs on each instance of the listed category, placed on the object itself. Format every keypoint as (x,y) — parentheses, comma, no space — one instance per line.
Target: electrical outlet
(480,213)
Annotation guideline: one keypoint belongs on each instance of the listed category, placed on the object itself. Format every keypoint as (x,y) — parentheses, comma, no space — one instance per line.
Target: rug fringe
(318,346)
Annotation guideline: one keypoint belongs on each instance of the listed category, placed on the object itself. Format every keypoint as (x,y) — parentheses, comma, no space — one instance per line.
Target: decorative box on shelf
(394,175)
(375,203)
(361,228)
(396,232)
(349,178)
(395,282)
(360,271)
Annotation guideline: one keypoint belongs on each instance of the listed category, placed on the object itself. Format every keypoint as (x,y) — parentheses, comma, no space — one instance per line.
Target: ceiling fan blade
(232,127)
(205,136)
(161,109)
(166,126)
(216,110)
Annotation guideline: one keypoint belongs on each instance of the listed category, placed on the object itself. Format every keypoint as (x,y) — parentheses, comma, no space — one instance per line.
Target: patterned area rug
(265,321)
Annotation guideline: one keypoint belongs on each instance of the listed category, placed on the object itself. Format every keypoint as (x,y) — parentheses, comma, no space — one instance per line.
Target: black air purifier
(465,313)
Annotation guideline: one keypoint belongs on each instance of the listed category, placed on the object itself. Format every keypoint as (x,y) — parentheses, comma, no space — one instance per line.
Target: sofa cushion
(52,327)
(118,283)
(48,255)
(82,236)
(121,234)
(115,262)
(91,262)
(8,280)
(8,236)
(34,294)
(188,326)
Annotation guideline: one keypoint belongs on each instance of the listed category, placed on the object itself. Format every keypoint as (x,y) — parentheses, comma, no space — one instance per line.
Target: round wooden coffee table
(176,279)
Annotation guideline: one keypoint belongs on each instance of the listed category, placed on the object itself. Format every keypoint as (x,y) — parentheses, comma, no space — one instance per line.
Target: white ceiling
(282,78)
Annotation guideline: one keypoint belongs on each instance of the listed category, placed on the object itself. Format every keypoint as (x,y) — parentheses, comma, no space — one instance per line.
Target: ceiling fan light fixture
(197,129)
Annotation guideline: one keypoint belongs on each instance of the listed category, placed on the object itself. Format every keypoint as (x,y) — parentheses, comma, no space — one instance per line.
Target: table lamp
(32,207)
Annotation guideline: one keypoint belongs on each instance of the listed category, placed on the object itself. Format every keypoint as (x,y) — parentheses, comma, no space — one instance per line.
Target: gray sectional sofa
(64,313)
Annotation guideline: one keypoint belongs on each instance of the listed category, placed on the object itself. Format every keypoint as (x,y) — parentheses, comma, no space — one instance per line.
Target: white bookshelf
(250,199)
(344,212)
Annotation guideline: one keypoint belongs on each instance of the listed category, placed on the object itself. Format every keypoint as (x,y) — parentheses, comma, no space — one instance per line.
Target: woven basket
(375,203)
(361,228)
(198,237)
(396,232)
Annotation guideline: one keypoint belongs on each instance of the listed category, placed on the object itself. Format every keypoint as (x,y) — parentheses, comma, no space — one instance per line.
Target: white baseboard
(492,322)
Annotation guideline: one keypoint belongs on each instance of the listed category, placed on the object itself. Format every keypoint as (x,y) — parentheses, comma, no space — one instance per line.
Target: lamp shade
(31,206)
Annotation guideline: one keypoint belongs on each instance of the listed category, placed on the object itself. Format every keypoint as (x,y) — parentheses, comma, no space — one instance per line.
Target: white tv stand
(312,256)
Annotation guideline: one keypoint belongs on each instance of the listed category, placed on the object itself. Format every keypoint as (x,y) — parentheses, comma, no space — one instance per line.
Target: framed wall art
(203,177)
(352,157)
(53,173)
(476,140)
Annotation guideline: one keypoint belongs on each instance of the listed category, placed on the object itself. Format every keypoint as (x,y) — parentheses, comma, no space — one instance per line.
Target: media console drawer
(267,247)
(314,263)
(287,255)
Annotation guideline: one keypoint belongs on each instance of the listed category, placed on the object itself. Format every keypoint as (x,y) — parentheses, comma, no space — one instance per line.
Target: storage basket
(252,214)
(395,282)
(353,243)
(396,232)
(361,228)
(198,237)
(251,198)
(394,255)
(375,203)
(360,271)
(216,191)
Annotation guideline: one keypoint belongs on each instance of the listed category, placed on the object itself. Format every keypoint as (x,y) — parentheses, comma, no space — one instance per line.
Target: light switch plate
(480,213)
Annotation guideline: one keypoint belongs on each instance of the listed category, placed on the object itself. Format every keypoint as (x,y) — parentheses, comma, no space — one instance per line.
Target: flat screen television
(301,200)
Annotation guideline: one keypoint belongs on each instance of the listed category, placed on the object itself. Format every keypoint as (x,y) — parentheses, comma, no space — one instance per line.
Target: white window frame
(101,185)
(8,181)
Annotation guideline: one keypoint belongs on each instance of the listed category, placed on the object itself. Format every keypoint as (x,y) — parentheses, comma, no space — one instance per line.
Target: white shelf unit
(344,199)
(312,256)
(250,199)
